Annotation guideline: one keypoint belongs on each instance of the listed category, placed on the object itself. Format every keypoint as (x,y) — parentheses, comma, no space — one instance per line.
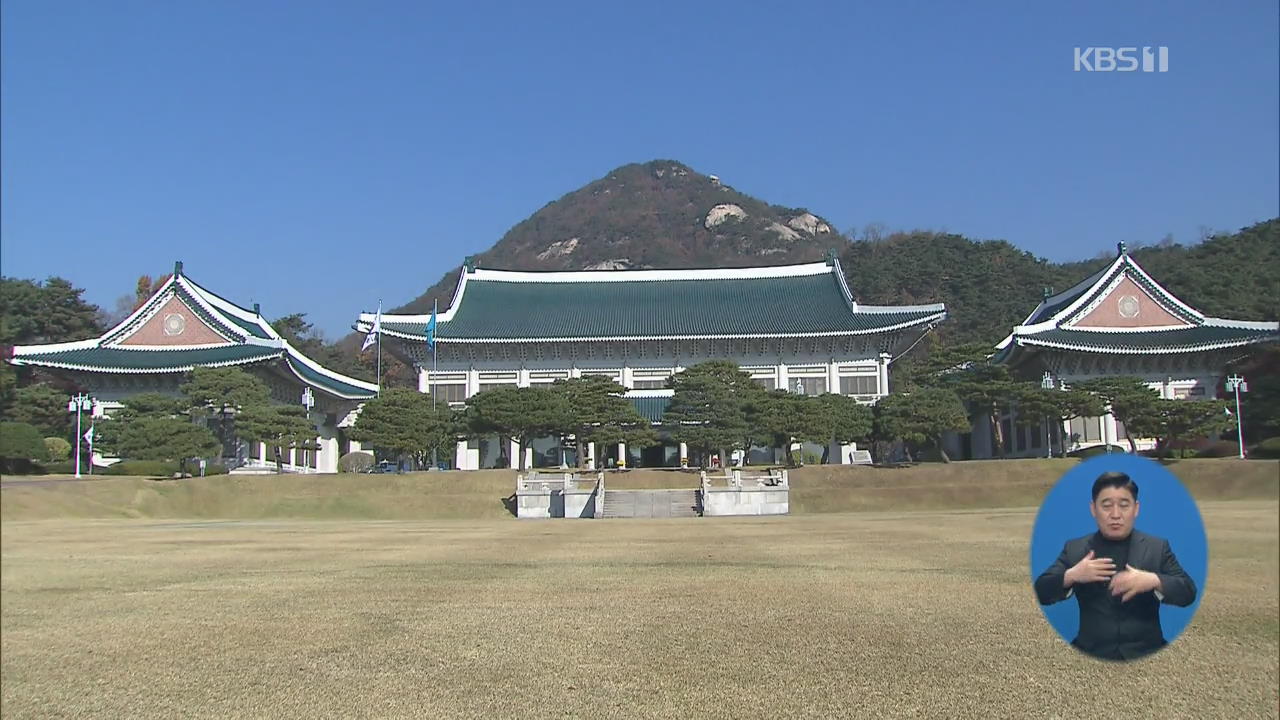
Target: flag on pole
(88,436)
(372,337)
(431,329)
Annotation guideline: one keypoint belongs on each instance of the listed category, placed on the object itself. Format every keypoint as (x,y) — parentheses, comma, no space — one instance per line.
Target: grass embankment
(1000,483)
(834,615)
(486,494)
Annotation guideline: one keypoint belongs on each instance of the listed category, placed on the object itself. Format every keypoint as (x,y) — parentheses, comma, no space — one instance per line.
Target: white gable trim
(1160,298)
(605,276)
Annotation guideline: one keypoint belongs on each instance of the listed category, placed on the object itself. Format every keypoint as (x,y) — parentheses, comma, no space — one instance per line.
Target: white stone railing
(740,479)
(742,492)
(559,495)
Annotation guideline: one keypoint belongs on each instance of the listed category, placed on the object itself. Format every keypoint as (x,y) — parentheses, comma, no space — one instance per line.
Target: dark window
(811,385)
(455,392)
(860,385)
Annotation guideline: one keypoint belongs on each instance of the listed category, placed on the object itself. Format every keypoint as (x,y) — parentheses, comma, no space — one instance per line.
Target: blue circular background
(1165,509)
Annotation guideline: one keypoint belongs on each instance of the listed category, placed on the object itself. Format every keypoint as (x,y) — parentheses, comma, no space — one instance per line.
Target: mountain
(663,214)
(659,214)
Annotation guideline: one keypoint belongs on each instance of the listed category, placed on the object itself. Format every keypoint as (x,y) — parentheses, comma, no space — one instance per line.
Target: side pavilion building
(1118,322)
(183,326)
(793,327)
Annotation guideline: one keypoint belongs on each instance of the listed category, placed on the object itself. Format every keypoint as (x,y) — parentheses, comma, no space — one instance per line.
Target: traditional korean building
(1117,322)
(794,327)
(183,326)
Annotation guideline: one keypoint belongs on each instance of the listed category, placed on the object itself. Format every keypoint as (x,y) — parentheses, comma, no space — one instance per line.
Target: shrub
(1218,449)
(58,448)
(1096,450)
(1269,448)
(68,467)
(355,462)
(153,468)
(20,445)
(160,468)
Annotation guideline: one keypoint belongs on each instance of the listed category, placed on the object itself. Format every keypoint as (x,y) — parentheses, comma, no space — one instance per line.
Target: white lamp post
(308,402)
(1046,382)
(1237,384)
(79,403)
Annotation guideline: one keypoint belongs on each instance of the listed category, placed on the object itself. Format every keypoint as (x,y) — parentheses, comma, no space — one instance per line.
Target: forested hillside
(991,286)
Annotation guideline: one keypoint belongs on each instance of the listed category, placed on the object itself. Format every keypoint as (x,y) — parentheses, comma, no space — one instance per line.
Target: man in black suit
(1119,609)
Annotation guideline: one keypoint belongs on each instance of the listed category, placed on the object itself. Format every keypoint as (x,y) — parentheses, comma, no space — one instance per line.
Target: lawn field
(909,613)
(488,494)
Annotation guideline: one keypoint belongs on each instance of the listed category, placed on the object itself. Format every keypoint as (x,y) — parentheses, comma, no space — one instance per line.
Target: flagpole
(379,330)
(435,463)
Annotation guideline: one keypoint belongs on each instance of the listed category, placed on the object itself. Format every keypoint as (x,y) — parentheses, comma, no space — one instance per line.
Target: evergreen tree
(154,426)
(850,421)
(1131,402)
(521,414)
(921,417)
(403,422)
(20,446)
(709,409)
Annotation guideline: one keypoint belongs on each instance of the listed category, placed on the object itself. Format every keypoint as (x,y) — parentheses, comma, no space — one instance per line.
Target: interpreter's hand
(1090,569)
(1131,582)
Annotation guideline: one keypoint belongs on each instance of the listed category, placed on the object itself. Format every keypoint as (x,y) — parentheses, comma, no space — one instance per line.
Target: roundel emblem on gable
(1129,307)
(174,324)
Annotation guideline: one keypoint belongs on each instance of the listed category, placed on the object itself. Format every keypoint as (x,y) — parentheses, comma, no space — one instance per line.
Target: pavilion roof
(806,300)
(183,326)
(1123,310)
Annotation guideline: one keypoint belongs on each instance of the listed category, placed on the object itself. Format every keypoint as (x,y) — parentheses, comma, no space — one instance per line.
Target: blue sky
(317,156)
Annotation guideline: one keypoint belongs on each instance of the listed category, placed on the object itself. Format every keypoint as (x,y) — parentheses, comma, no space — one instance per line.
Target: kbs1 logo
(1125,59)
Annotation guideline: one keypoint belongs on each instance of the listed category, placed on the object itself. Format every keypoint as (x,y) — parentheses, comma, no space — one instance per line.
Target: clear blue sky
(316,156)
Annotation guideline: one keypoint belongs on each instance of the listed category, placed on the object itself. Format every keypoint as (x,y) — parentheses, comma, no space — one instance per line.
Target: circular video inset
(1119,557)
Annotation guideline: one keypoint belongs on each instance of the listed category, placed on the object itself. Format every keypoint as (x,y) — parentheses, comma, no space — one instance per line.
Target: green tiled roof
(1189,339)
(332,385)
(119,359)
(813,304)
(652,408)
(250,327)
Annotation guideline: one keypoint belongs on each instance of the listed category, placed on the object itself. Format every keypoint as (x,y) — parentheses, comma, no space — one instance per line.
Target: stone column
(684,455)
(424,380)
(327,462)
(592,463)
(883,371)
(461,457)
(1110,432)
(622,455)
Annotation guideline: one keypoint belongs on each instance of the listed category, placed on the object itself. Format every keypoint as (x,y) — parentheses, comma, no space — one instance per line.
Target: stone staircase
(650,503)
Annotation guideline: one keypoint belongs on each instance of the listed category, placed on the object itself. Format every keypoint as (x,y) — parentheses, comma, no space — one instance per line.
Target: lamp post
(1046,382)
(308,402)
(230,443)
(79,403)
(1237,384)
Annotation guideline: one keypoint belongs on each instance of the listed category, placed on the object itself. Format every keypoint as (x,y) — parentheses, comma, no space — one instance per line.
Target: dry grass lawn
(864,615)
